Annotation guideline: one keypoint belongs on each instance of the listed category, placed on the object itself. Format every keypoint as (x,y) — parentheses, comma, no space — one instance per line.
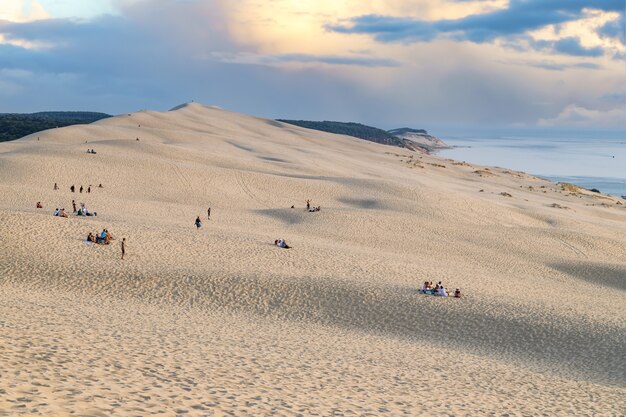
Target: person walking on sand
(56,187)
(74,206)
(198,222)
(208,213)
(81,189)
(72,188)
(89,189)
(123,248)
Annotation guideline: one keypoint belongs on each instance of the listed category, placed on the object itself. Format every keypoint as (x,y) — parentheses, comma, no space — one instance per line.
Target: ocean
(590,163)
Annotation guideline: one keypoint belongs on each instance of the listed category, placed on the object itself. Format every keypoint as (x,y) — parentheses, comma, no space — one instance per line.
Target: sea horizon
(593,163)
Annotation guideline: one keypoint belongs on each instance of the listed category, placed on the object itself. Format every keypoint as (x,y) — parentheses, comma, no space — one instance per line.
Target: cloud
(555,66)
(578,116)
(613,29)
(280,59)
(157,53)
(519,18)
(572,46)
(22,11)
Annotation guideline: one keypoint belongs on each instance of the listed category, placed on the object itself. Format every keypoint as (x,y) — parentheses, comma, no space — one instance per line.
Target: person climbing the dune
(198,223)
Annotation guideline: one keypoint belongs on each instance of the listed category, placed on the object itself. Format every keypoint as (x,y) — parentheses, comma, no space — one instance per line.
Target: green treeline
(357,130)
(14,126)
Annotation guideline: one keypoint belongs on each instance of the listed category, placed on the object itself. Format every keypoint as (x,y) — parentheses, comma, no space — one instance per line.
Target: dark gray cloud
(520,17)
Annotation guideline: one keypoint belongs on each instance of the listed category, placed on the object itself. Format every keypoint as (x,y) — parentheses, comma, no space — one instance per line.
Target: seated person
(57,212)
(442,292)
(91,237)
(457,293)
(39,204)
(281,244)
(109,237)
(424,287)
(63,213)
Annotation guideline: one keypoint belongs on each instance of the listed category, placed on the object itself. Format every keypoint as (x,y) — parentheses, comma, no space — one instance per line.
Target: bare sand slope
(218,321)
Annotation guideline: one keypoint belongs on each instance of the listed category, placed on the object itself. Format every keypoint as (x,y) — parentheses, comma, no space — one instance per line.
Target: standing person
(198,222)
(89,189)
(74,205)
(308,204)
(72,188)
(209,213)
(123,248)
(56,187)
(81,188)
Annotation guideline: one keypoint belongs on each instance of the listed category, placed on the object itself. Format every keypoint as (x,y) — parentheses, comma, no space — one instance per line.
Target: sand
(219,321)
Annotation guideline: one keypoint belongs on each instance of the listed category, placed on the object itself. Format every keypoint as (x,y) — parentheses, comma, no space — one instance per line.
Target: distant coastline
(591,163)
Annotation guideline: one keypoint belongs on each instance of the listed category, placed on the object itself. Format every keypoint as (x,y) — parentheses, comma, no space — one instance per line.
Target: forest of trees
(14,126)
(357,130)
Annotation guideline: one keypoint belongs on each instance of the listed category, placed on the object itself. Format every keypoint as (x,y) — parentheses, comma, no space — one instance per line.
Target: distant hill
(420,137)
(402,138)
(14,125)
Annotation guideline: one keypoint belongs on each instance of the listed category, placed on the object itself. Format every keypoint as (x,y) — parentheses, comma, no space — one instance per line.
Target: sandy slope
(218,321)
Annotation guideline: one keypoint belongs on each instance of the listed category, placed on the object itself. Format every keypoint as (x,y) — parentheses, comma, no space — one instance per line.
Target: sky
(435,64)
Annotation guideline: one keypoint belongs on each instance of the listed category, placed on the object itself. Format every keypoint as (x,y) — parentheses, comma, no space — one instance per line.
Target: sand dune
(218,321)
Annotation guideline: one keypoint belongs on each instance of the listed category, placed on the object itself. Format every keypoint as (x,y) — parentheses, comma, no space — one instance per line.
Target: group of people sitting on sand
(103,238)
(60,213)
(83,210)
(281,244)
(439,289)
(91,151)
